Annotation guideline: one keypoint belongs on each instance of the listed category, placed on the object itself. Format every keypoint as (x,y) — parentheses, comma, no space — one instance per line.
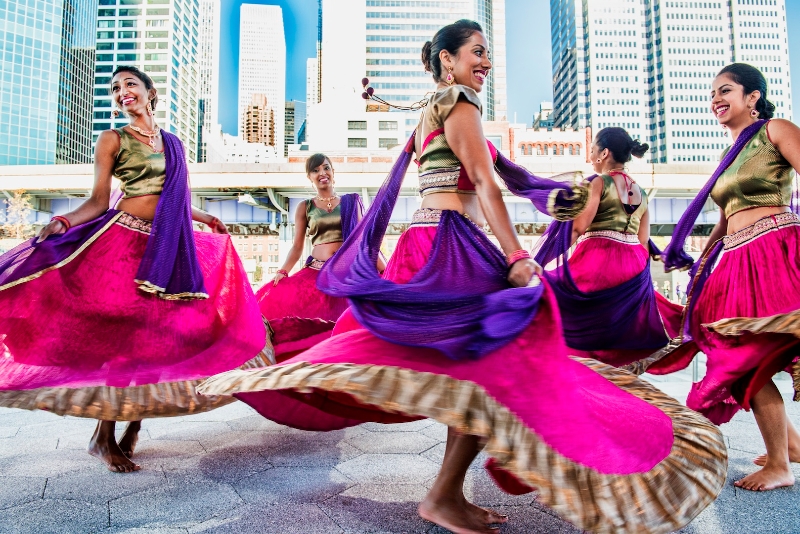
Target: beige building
(258,122)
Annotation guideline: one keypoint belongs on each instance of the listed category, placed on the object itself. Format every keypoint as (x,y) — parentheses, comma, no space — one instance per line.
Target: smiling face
(471,63)
(130,93)
(322,176)
(729,103)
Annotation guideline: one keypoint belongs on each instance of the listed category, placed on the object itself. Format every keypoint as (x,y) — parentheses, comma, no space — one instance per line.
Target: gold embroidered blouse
(759,177)
(141,170)
(611,214)
(324,227)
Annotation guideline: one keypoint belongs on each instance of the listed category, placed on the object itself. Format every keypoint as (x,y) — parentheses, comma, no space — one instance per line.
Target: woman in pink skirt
(607,278)
(300,314)
(744,298)
(116,314)
(467,333)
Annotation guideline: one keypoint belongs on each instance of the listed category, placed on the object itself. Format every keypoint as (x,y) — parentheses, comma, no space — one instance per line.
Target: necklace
(329,200)
(150,134)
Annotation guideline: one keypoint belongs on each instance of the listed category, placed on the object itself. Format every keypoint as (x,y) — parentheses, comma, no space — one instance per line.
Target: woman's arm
(644,230)
(300,229)
(105,155)
(217,226)
(785,136)
(465,136)
(582,221)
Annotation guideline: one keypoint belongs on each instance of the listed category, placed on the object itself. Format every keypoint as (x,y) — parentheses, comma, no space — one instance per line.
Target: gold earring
(450,80)
(115,113)
(149,109)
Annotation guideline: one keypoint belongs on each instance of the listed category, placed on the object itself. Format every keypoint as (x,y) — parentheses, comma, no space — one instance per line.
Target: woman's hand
(53,227)
(217,226)
(280,275)
(522,272)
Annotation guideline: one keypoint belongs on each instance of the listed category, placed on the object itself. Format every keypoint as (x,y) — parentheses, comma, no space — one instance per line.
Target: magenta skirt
(600,263)
(597,443)
(81,339)
(747,318)
(299,314)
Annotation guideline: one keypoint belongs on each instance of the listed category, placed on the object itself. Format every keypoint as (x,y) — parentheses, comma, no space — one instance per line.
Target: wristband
(517,255)
(62,220)
(283,272)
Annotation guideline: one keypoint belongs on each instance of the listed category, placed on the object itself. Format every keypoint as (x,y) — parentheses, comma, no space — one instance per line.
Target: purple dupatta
(460,302)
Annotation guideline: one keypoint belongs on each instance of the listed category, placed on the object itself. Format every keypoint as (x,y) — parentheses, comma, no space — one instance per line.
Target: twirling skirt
(604,260)
(607,451)
(747,319)
(300,314)
(78,337)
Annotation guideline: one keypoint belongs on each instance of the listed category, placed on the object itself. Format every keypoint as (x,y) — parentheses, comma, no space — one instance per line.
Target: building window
(387,142)
(357,142)
(387,125)
(356,125)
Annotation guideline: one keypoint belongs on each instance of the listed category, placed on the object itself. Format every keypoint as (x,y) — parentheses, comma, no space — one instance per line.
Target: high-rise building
(258,121)
(647,66)
(161,38)
(262,62)
(46,81)
(209,43)
(295,118)
(312,81)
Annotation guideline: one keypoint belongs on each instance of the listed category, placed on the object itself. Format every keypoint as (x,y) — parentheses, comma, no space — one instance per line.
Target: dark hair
(315,160)
(450,38)
(620,144)
(751,79)
(146,80)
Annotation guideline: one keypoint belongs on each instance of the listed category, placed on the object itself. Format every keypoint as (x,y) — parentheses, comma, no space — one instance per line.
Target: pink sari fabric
(599,263)
(86,324)
(300,314)
(573,409)
(739,286)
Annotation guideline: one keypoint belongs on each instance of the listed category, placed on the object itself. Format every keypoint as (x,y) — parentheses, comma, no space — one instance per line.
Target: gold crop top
(759,177)
(611,213)
(324,227)
(439,169)
(141,170)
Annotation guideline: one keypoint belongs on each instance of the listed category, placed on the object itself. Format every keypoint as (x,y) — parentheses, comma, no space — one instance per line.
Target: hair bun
(426,56)
(765,108)
(639,149)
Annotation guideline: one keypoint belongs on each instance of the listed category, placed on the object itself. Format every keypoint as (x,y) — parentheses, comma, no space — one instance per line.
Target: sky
(527,53)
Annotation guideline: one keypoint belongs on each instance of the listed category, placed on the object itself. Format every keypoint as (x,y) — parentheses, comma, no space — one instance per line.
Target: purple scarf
(169,267)
(460,302)
(351,211)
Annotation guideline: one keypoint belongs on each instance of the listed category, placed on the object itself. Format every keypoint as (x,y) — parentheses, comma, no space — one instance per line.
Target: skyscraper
(312,81)
(208,72)
(262,62)
(647,66)
(46,81)
(295,117)
(161,38)
(258,121)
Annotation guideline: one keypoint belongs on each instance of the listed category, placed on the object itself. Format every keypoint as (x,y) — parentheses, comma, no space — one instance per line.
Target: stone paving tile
(63,517)
(399,427)
(283,485)
(18,490)
(392,442)
(8,431)
(220,465)
(397,469)
(98,486)
(378,508)
(254,423)
(249,519)
(187,430)
(286,450)
(436,431)
(46,464)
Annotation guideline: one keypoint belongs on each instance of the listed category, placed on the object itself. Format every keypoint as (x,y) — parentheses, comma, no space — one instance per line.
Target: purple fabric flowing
(631,307)
(169,266)
(351,211)
(674,256)
(460,303)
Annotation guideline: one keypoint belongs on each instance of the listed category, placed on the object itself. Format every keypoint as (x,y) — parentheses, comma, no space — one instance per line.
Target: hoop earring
(754,113)
(450,80)
(149,109)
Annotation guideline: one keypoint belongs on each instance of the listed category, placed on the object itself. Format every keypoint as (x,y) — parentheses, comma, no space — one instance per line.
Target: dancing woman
(466,333)
(607,278)
(744,312)
(114,314)
(299,313)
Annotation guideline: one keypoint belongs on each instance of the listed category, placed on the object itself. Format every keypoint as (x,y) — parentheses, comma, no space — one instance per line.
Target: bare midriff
(466,204)
(744,218)
(143,207)
(324,251)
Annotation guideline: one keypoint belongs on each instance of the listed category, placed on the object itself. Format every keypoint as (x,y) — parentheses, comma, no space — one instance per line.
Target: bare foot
(129,439)
(766,479)
(794,457)
(486,515)
(110,454)
(457,517)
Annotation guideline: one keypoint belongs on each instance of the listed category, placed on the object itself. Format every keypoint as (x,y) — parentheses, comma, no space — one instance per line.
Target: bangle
(62,220)
(213,222)
(283,272)
(517,255)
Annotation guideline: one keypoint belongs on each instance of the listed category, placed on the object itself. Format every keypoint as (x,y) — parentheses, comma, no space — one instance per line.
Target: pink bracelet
(62,220)
(283,272)
(517,255)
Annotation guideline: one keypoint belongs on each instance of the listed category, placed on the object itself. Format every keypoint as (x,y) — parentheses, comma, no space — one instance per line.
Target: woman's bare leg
(445,504)
(794,446)
(774,425)
(129,439)
(103,445)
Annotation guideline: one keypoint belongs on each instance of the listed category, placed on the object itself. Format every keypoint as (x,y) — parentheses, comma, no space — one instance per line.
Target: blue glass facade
(46,72)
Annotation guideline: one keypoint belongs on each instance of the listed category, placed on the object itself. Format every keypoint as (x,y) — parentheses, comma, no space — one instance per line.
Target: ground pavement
(232,471)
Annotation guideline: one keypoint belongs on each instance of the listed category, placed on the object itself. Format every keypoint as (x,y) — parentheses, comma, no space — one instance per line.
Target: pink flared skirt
(600,263)
(597,443)
(299,314)
(81,339)
(746,320)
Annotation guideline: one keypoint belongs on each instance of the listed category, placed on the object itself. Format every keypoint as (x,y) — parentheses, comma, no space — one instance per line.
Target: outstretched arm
(300,228)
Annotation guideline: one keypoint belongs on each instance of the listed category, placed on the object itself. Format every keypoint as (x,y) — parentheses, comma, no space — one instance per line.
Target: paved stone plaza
(233,471)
